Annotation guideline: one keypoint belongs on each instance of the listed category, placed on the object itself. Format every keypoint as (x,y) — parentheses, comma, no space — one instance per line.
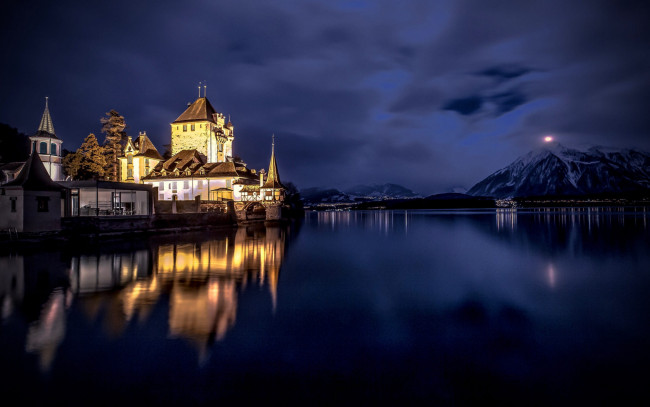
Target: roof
(273,177)
(106,185)
(13,166)
(34,177)
(182,160)
(146,148)
(46,128)
(201,109)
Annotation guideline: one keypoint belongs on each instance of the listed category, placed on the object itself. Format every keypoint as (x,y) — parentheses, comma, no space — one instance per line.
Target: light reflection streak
(202,280)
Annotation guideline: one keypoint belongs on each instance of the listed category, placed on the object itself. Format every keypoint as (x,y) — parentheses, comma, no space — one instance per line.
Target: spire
(273,177)
(46,125)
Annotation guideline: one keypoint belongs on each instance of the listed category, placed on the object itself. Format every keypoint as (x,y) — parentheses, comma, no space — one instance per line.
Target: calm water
(451,308)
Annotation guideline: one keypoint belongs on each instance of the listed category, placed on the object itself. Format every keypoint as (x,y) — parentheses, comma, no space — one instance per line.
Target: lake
(526,307)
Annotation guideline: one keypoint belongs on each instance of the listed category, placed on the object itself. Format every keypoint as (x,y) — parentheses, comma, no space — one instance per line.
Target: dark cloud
(465,106)
(507,101)
(430,94)
(503,73)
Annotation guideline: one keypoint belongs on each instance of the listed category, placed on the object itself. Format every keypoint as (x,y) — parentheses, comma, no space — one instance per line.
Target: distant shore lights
(548,139)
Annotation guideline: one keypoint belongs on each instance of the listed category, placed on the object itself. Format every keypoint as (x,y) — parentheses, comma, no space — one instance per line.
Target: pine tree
(88,162)
(113,126)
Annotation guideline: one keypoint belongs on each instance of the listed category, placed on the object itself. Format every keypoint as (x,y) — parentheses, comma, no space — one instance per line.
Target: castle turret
(272,190)
(48,146)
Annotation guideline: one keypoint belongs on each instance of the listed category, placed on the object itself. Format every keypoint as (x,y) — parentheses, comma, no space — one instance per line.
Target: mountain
(358,193)
(557,170)
(381,191)
(323,195)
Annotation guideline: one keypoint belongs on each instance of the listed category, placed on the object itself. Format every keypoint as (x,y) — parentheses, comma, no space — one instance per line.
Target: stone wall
(91,225)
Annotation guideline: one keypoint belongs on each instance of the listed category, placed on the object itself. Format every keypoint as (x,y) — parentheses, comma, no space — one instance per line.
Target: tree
(14,146)
(88,162)
(113,126)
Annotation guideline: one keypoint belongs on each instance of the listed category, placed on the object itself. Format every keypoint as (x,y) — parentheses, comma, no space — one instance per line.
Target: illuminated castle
(203,165)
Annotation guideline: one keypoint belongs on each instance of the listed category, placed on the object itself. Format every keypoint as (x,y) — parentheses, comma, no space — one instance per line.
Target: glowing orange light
(548,139)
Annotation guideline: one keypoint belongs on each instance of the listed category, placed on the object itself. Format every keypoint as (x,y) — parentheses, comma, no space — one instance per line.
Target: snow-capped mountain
(381,191)
(357,193)
(557,170)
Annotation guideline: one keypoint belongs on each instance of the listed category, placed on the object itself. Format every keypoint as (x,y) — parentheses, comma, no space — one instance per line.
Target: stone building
(201,128)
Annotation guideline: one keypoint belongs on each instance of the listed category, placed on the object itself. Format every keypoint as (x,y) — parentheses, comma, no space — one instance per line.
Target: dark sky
(428,94)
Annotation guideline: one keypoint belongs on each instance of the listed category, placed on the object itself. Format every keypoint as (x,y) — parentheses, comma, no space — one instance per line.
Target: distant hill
(560,171)
(381,191)
(359,193)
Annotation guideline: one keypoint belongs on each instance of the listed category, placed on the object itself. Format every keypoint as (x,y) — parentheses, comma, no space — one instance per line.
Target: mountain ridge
(557,170)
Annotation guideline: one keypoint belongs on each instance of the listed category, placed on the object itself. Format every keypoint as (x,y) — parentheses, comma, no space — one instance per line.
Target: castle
(202,165)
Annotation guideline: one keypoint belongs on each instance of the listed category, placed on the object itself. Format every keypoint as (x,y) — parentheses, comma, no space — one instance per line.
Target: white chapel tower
(48,146)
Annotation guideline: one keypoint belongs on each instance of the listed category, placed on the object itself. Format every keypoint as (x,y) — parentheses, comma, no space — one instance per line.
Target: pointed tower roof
(273,177)
(46,128)
(34,177)
(201,109)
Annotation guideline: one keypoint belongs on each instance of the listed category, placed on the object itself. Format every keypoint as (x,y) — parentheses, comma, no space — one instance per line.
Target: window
(43,148)
(220,147)
(129,172)
(228,183)
(13,203)
(185,127)
(53,149)
(129,159)
(42,203)
(146,162)
(161,197)
(33,147)
(192,127)
(186,184)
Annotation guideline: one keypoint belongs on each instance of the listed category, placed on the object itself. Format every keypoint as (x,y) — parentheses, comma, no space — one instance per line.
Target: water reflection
(198,277)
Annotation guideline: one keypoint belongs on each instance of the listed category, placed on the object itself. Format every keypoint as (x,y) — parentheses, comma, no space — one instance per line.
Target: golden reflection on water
(201,280)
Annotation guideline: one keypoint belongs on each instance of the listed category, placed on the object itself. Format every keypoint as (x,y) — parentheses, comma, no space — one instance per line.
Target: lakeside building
(203,165)
(138,159)
(47,145)
(32,202)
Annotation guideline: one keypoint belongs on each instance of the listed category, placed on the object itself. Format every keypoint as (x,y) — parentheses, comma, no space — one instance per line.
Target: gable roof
(34,177)
(146,148)
(201,109)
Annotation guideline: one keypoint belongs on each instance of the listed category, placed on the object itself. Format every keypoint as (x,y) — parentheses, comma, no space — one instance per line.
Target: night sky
(432,95)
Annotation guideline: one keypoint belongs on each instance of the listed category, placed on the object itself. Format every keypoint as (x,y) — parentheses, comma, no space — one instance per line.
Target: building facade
(139,158)
(201,128)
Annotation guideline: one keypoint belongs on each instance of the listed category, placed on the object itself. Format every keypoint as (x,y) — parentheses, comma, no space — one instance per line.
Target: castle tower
(48,146)
(272,190)
(200,127)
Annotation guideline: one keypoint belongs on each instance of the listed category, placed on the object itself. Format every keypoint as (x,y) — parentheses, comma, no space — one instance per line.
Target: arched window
(53,149)
(43,148)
